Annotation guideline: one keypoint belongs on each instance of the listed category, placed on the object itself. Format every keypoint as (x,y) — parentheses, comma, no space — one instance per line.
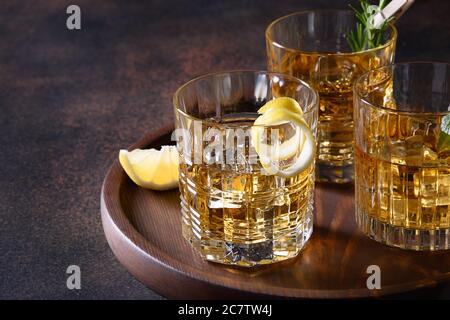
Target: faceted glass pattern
(233,213)
(402,155)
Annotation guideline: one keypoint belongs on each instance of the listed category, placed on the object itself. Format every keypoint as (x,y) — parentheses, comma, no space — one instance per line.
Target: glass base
(250,255)
(329,172)
(401,237)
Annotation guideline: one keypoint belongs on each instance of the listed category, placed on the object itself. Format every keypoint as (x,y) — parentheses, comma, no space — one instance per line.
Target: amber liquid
(335,149)
(403,195)
(236,214)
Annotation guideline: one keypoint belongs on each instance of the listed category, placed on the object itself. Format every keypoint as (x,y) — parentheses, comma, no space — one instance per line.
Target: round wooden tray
(143,229)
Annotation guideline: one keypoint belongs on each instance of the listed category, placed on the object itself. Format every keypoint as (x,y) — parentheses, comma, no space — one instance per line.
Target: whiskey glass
(232,211)
(311,45)
(402,155)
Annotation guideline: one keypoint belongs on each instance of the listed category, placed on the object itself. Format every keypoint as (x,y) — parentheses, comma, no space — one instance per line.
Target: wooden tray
(143,230)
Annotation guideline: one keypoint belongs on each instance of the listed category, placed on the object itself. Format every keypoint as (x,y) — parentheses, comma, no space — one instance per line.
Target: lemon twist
(302,143)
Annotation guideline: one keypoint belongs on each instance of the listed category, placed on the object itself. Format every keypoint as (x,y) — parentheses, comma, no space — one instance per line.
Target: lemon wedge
(151,168)
(301,146)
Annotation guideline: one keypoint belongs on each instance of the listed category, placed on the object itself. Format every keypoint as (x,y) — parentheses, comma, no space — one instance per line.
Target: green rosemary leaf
(378,38)
(351,41)
(361,37)
(444,136)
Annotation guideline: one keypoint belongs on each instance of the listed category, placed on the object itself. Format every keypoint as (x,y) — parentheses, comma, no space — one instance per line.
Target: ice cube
(220,203)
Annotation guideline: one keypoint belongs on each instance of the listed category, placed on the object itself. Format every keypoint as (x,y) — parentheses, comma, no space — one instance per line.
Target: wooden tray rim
(162,259)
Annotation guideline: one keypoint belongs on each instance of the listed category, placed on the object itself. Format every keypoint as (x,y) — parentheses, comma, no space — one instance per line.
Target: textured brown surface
(70,99)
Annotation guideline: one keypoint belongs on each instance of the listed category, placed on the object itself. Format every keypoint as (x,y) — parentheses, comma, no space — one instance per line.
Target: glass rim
(359,95)
(392,39)
(309,108)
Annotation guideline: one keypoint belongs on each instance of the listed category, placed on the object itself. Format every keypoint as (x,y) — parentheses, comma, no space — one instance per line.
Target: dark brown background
(69,100)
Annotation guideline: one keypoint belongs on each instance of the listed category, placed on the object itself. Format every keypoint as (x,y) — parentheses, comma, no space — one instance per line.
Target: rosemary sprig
(365,36)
